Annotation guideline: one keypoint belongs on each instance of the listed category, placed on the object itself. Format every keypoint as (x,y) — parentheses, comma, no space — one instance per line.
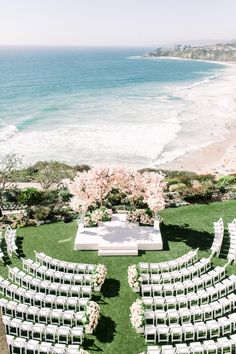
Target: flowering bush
(137,314)
(99,275)
(93,186)
(91,219)
(144,216)
(92,314)
(134,215)
(134,278)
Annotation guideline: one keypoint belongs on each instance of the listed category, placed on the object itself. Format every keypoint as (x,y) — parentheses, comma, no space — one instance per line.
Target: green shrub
(43,213)
(30,196)
(226,181)
(179,187)
(64,195)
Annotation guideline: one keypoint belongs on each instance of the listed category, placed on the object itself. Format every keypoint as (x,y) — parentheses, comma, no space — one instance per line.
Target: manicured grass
(183,229)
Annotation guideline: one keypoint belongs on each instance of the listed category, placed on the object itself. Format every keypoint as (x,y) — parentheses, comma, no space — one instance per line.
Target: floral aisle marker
(91,316)
(134,278)
(99,276)
(137,317)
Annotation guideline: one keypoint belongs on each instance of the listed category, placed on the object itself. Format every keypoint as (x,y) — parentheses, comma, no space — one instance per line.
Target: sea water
(97,105)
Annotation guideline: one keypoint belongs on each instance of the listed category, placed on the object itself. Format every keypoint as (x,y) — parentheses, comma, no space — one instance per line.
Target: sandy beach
(218,156)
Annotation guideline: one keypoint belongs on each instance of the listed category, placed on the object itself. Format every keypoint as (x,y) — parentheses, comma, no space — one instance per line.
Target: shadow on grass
(106,329)
(192,238)
(88,344)
(225,245)
(98,299)
(111,288)
(6,258)
(19,243)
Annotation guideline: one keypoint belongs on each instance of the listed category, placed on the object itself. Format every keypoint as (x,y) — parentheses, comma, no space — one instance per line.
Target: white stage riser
(118,236)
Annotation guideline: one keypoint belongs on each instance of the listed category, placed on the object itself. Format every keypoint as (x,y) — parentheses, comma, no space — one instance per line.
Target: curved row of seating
(33,346)
(198,283)
(47,287)
(218,237)
(42,332)
(10,238)
(221,345)
(176,264)
(59,265)
(232,235)
(198,298)
(45,315)
(44,273)
(192,271)
(35,298)
(194,314)
(1,252)
(176,333)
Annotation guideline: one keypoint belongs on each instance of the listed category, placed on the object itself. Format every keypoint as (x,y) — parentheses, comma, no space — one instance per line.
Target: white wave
(8,133)
(132,57)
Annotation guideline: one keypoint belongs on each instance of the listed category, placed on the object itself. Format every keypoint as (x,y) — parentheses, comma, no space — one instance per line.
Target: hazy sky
(115,22)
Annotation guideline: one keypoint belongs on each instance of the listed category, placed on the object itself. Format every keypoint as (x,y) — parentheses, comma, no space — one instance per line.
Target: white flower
(134,278)
(99,275)
(93,313)
(137,314)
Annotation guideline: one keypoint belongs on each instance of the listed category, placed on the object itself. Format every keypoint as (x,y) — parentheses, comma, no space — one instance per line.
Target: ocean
(100,105)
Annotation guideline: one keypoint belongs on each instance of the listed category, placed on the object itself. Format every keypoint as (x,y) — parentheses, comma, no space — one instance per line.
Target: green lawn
(183,228)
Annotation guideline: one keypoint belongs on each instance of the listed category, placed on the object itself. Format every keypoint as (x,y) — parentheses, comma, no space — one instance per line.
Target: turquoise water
(91,105)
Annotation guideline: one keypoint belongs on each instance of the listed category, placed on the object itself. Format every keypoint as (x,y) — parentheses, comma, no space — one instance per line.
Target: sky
(115,22)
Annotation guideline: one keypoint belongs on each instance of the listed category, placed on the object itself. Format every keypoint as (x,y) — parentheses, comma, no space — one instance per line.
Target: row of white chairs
(176,264)
(10,238)
(194,314)
(1,252)
(67,267)
(33,298)
(181,275)
(218,237)
(22,346)
(42,332)
(221,345)
(199,283)
(190,332)
(200,297)
(47,287)
(42,315)
(189,300)
(44,273)
(232,248)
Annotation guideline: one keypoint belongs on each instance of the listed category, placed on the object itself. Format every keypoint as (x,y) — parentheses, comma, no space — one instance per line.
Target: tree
(8,171)
(52,173)
(8,168)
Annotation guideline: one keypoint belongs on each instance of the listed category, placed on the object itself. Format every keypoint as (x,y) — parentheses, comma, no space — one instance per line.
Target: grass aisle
(184,228)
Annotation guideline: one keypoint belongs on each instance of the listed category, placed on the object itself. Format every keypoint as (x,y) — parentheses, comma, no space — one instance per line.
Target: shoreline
(218,156)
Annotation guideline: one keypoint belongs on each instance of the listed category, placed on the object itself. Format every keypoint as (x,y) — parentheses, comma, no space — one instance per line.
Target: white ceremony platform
(118,237)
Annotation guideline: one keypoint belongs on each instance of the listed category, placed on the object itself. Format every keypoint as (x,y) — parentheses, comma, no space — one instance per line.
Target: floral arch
(91,188)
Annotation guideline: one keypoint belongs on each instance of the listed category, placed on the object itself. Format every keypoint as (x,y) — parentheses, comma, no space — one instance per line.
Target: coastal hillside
(217,52)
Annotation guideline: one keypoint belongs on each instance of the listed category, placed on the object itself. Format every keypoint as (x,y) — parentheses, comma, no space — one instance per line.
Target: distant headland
(218,52)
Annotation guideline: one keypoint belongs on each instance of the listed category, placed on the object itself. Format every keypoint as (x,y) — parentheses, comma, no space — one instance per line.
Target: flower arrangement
(99,275)
(91,219)
(92,314)
(134,278)
(137,314)
(143,216)
(134,216)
